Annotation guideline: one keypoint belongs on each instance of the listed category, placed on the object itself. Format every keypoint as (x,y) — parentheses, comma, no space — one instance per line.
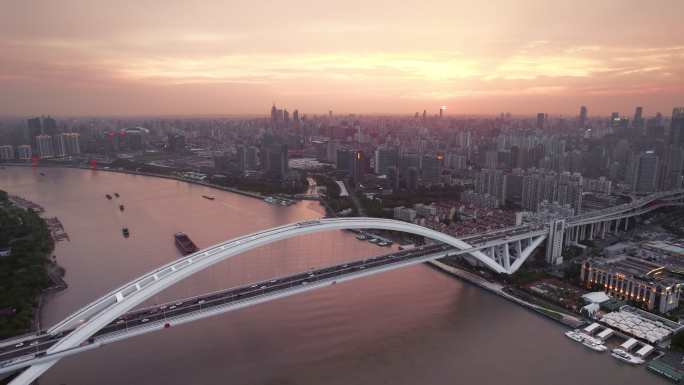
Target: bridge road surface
(36,346)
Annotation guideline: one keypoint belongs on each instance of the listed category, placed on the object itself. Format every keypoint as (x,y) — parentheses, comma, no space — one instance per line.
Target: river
(409,326)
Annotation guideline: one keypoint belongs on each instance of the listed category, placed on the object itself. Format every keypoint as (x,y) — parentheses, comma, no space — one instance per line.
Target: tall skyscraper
(431,169)
(49,126)
(35,128)
(583,117)
(541,119)
(492,182)
(677,127)
(645,172)
(638,122)
(385,159)
(276,161)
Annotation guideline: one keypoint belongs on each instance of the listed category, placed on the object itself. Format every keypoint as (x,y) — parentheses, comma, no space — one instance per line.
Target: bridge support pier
(506,258)
(603,229)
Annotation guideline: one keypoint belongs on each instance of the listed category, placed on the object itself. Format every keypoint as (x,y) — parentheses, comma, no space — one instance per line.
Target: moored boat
(593,345)
(624,356)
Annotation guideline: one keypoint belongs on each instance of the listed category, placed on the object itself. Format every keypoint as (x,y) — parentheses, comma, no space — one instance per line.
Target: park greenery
(23,273)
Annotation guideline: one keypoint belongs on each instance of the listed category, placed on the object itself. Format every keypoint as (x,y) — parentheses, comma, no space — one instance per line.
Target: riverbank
(499,289)
(155,175)
(55,272)
(26,243)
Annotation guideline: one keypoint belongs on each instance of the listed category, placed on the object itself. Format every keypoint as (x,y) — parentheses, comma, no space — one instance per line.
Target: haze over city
(80,57)
(341,192)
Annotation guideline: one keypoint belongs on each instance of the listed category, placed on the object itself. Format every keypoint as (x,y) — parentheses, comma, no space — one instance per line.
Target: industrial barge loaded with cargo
(185,244)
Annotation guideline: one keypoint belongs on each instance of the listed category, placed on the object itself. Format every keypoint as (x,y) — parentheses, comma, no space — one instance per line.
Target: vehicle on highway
(145,320)
(20,344)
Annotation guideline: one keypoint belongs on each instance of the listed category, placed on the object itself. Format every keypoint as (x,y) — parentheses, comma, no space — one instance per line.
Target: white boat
(626,357)
(594,346)
(573,335)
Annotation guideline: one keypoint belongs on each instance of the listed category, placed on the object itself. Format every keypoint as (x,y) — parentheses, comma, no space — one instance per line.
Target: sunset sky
(91,57)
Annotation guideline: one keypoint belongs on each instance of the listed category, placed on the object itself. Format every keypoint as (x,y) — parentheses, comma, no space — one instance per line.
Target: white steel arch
(99,313)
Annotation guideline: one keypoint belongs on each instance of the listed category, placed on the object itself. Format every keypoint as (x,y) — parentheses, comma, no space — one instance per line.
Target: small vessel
(383,243)
(121,207)
(373,240)
(593,345)
(208,197)
(116,195)
(108,196)
(622,355)
(574,335)
(269,200)
(361,237)
(185,244)
(42,174)
(125,232)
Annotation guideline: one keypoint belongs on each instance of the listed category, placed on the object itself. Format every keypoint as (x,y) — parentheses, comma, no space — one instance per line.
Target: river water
(410,326)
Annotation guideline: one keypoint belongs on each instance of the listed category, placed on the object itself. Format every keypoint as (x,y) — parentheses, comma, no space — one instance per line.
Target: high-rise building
(541,119)
(6,152)
(583,116)
(49,126)
(671,168)
(44,146)
(176,143)
(358,166)
(71,140)
(431,169)
(457,161)
(677,127)
(638,122)
(242,157)
(59,146)
(252,158)
(385,159)
(492,182)
(645,172)
(24,152)
(344,160)
(276,161)
(412,178)
(564,188)
(491,159)
(35,127)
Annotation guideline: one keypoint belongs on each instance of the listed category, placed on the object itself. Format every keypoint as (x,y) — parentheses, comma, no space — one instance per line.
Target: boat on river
(185,244)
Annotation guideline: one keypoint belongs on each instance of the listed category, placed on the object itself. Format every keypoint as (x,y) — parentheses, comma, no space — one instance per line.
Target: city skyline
(519,57)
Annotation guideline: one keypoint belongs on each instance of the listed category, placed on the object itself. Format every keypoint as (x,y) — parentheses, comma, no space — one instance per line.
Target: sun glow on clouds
(446,53)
